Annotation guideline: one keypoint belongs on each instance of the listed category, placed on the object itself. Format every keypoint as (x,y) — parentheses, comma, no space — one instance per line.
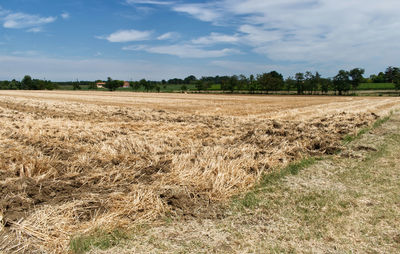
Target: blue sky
(157,39)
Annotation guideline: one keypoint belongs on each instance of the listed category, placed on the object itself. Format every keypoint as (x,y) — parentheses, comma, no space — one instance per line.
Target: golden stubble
(71,162)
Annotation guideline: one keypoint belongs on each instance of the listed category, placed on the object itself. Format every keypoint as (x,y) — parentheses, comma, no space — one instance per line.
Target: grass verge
(99,239)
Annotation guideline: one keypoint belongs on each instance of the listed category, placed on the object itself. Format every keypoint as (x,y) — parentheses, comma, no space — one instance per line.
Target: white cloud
(127,36)
(153,2)
(35,30)
(314,32)
(65,15)
(215,38)
(203,12)
(184,51)
(169,36)
(23,20)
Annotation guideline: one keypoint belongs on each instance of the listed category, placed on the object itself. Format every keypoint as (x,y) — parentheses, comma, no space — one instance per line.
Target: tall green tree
(356,76)
(308,81)
(26,83)
(145,84)
(190,79)
(396,81)
(230,83)
(341,82)
(112,85)
(243,82)
(326,83)
(290,83)
(252,84)
(391,73)
(272,81)
(262,80)
(299,82)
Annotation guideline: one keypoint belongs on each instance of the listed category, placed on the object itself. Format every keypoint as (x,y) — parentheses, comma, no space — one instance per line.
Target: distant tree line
(303,83)
(27,83)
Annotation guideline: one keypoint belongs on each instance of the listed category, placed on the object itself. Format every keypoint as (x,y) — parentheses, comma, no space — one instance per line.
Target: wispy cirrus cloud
(22,20)
(203,12)
(127,36)
(184,50)
(215,38)
(65,15)
(35,30)
(169,36)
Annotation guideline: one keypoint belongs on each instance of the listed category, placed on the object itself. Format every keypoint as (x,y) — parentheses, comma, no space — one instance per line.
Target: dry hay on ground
(73,162)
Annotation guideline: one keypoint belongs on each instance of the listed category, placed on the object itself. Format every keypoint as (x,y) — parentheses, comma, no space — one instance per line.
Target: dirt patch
(189,205)
(21,196)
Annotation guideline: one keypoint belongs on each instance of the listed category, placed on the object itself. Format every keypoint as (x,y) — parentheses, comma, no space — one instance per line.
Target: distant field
(75,161)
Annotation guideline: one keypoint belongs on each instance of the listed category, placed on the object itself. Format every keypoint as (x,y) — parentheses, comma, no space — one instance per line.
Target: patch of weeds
(349,138)
(291,169)
(100,239)
(381,121)
(251,199)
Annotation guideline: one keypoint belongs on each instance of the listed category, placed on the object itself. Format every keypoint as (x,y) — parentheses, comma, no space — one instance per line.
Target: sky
(162,39)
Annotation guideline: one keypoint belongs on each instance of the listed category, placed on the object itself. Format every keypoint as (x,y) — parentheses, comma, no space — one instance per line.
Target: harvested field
(71,162)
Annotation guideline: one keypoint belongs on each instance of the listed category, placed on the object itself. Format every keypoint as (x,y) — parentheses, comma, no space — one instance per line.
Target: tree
(341,82)
(316,81)
(164,83)
(76,85)
(145,84)
(272,81)
(326,83)
(262,80)
(289,83)
(252,84)
(391,73)
(299,82)
(275,81)
(112,85)
(380,78)
(26,83)
(356,76)
(242,82)
(396,81)
(308,81)
(205,82)
(190,79)
(230,83)
(135,85)
(199,84)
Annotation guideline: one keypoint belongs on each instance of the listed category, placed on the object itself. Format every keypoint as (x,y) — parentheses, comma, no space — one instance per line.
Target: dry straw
(74,162)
